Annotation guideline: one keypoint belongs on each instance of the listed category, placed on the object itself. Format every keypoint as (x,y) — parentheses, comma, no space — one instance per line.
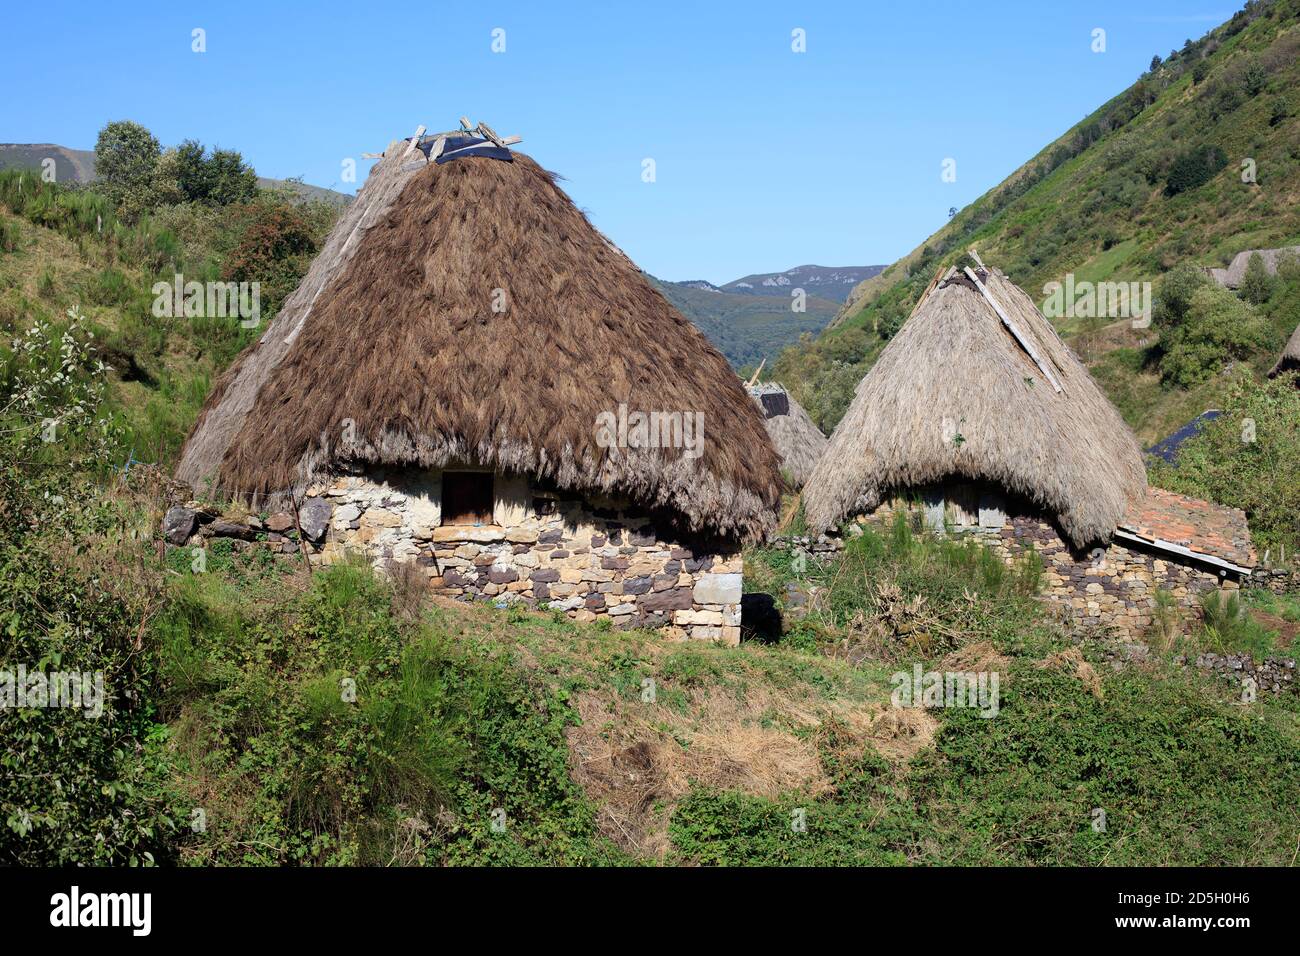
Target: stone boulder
(314,518)
(230,529)
(179,523)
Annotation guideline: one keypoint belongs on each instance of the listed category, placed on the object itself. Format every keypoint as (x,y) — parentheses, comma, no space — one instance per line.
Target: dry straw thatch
(797,439)
(956,394)
(1290,358)
(391,352)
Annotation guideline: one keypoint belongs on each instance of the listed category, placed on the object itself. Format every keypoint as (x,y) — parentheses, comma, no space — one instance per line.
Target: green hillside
(747,328)
(1150,181)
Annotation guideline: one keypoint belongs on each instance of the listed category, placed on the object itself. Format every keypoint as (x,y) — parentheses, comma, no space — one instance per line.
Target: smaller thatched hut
(977,418)
(1232,276)
(796,437)
(1290,358)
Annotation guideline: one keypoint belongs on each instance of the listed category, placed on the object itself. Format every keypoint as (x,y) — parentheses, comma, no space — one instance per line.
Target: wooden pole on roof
(415,141)
(754,377)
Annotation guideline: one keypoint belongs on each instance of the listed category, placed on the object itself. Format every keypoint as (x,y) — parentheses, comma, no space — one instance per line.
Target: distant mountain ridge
(753,318)
(78,166)
(827,282)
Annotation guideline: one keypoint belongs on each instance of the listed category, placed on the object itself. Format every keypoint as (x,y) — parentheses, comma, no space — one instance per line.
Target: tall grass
(954,588)
(81,213)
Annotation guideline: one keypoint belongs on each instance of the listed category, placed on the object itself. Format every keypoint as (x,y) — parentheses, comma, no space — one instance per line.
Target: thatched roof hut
(1232,276)
(467,311)
(797,438)
(1290,358)
(978,385)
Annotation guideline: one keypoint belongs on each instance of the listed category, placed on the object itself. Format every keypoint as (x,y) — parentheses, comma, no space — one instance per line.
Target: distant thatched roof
(797,438)
(1236,271)
(391,352)
(957,392)
(1290,358)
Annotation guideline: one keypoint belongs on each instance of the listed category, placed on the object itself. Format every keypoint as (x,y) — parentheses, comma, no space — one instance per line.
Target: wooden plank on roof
(1180,550)
(1014,329)
(415,141)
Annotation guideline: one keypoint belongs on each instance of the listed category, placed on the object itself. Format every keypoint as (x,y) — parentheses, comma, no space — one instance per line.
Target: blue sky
(764,158)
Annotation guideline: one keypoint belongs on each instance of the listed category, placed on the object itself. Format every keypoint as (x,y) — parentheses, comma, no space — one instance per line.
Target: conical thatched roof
(964,391)
(1290,358)
(391,352)
(798,440)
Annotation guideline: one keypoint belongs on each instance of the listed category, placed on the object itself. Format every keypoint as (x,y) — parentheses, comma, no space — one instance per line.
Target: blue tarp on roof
(1167,448)
(458,146)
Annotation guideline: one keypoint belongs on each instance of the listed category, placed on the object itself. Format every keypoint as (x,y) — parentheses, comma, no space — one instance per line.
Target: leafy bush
(1151,770)
(217,177)
(81,785)
(1203,326)
(292,768)
(1194,168)
(1248,457)
(274,249)
(1256,284)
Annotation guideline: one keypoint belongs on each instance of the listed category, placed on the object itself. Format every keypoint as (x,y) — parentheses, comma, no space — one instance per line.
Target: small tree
(230,179)
(126,155)
(1194,168)
(191,170)
(216,178)
(1256,284)
(1155,63)
(1216,328)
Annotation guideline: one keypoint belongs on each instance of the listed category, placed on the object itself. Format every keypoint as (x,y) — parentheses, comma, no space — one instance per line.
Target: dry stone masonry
(599,559)
(1113,587)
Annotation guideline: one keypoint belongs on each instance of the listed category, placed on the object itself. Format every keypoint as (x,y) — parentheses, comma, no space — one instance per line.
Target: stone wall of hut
(1113,587)
(593,559)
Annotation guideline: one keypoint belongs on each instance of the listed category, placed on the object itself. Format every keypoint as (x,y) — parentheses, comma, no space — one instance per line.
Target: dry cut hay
(978,657)
(636,767)
(1071,661)
(470,313)
(954,372)
(900,733)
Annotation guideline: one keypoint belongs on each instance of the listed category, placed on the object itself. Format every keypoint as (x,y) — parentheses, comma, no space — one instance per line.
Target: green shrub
(1203,327)
(1256,284)
(10,236)
(1194,168)
(1248,457)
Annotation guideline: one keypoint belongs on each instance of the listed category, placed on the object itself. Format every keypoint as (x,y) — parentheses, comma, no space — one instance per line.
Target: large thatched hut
(472,378)
(1289,361)
(977,418)
(796,437)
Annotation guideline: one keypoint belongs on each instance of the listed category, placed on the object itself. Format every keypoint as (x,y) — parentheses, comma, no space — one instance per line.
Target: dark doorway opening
(467,497)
